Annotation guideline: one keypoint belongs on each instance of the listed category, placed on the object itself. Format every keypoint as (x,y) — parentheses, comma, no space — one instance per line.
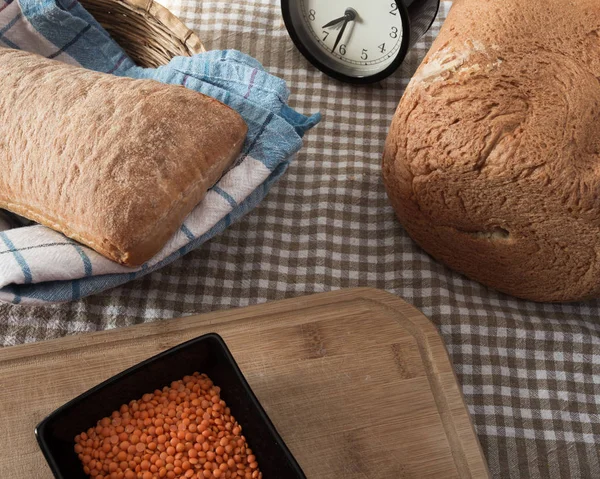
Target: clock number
(326,33)
(312,13)
(394,32)
(394,8)
(382,47)
(364,55)
(343,49)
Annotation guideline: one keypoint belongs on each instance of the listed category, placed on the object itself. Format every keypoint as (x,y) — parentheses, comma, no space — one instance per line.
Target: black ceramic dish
(207,354)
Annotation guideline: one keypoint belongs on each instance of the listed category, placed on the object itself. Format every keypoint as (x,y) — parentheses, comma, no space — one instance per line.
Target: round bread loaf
(493,158)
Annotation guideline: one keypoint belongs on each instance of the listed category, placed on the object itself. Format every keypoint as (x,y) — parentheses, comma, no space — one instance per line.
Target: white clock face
(355,37)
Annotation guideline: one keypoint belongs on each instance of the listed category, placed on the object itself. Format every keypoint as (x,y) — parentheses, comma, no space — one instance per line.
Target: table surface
(530,372)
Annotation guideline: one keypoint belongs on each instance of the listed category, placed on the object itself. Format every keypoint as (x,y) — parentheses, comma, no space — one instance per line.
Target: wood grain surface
(357,382)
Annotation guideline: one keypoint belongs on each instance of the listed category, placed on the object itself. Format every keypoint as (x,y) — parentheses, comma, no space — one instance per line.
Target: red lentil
(184,431)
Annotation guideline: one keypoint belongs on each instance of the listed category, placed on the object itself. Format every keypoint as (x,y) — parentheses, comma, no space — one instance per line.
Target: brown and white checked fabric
(530,372)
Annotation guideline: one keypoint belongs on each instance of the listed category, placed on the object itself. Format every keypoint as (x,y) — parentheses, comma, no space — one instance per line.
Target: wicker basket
(149,33)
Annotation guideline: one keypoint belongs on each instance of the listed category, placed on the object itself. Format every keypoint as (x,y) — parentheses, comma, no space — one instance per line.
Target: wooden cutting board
(357,382)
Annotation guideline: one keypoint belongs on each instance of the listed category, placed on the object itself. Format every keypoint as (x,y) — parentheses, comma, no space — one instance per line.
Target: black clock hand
(349,14)
(339,37)
(335,22)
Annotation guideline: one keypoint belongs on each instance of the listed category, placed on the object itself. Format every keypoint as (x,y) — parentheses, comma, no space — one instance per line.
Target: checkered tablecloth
(530,372)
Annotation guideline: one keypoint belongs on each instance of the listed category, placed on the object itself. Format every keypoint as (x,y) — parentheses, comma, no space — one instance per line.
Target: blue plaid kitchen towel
(38,265)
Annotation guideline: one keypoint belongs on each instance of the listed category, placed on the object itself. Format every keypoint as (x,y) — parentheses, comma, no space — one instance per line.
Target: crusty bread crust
(492,162)
(114,163)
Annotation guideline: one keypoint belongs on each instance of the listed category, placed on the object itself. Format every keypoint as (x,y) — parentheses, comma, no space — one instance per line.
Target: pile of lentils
(184,430)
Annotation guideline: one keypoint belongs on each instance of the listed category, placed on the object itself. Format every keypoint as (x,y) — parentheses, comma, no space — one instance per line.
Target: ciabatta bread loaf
(493,158)
(114,163)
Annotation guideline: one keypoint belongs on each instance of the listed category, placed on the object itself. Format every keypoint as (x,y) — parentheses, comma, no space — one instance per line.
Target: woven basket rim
(169,20)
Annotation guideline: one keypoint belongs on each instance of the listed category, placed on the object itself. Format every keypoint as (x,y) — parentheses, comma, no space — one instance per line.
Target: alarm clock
(357,41)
